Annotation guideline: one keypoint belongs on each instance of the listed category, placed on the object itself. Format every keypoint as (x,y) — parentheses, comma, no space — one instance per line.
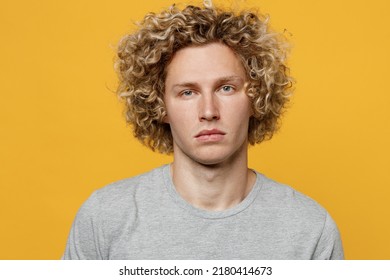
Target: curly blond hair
(143,57)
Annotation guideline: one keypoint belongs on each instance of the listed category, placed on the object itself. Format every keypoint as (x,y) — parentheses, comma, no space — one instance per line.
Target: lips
(210,135)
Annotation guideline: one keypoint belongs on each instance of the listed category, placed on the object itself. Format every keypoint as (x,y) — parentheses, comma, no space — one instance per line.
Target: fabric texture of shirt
(145,218)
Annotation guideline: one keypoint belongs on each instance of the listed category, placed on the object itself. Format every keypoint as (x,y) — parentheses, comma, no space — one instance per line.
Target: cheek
(239,116)
(179,110)
(241,109)
(171,111)
(179,118)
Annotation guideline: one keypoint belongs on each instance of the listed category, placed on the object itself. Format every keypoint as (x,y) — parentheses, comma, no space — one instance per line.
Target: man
(202,83)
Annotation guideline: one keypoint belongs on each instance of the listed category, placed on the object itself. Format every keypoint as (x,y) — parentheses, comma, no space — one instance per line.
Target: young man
(202,83)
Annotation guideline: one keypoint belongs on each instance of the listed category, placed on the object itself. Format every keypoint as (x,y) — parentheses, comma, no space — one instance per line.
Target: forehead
(204,63)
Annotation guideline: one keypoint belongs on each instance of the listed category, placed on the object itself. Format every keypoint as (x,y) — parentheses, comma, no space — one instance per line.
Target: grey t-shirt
(145,218)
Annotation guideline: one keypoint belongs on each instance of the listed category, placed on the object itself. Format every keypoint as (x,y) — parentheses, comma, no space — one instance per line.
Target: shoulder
(120,197)
(131,184)
(280,196)
(289,209)
(296,214)
(125,189)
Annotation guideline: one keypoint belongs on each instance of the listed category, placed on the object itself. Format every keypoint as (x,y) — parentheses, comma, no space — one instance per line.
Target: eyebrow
(221,80)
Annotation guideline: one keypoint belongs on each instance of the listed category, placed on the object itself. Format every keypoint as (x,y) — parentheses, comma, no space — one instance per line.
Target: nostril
(209,108)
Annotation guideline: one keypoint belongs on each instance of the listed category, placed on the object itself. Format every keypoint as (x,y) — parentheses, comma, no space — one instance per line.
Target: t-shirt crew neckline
(248,200)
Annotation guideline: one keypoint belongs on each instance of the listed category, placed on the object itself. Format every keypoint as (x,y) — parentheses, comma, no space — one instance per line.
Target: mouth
(210,135)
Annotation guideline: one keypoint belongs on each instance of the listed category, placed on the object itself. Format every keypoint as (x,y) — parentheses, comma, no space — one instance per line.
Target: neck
(213,187)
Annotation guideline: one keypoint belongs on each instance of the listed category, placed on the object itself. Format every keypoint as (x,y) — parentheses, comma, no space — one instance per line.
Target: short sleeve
(329,246)
(85,241)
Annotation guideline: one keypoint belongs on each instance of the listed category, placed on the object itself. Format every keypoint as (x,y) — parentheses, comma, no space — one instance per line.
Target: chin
(210,163)
(211,159)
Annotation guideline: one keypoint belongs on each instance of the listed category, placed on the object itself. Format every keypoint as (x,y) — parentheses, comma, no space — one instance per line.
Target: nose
(209,108)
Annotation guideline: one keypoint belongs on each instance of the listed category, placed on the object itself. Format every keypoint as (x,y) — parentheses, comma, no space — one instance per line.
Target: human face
(207,106)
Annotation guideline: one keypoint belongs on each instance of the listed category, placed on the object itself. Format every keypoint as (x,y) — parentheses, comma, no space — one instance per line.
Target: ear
(166,119)
(251,109)
(252,113)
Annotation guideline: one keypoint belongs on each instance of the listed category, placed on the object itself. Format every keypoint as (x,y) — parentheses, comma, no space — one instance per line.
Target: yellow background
(63,134)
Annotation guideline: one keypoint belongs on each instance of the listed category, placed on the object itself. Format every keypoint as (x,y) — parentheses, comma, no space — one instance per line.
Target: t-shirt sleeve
(85,241)
(329,246)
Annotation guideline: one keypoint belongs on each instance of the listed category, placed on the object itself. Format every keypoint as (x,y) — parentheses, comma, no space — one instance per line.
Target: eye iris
(187,93)
(227,88)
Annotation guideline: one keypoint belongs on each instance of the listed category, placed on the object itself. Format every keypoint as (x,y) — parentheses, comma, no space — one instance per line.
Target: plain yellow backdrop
(63,134)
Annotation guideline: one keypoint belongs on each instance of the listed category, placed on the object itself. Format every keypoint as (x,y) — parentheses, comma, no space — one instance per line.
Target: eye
(227,88)
(187,93)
